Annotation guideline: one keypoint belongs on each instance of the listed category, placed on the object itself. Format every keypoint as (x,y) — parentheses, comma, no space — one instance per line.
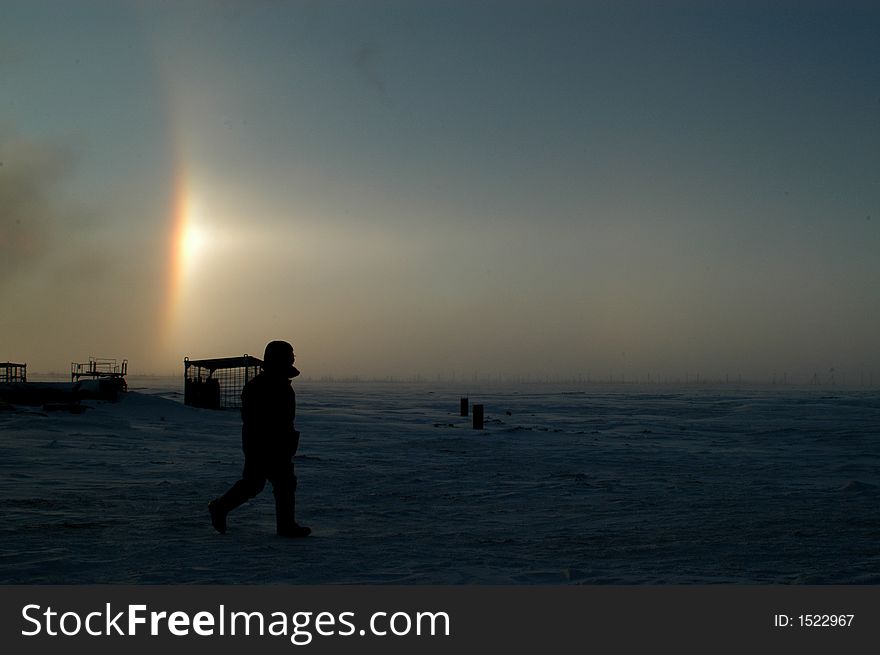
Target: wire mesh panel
(10,372)
(217,383)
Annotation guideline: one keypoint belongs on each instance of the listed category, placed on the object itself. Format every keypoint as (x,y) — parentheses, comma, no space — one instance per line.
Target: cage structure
(217,383)
(11,372)
(102,369)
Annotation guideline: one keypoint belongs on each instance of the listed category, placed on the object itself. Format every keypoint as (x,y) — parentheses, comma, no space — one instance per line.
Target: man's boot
(285,510)
(218,515)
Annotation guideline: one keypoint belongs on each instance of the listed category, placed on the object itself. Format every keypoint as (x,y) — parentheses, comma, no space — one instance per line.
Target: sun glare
(193,237)
(192,242)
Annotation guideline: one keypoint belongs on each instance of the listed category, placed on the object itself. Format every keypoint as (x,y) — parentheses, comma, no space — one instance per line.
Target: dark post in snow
(464,407)
(478,417)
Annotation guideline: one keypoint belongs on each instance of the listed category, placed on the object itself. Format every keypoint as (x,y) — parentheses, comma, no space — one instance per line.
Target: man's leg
(252,482)
(284,489)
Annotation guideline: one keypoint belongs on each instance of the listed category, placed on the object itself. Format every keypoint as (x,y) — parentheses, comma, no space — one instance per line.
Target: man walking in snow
(269,441)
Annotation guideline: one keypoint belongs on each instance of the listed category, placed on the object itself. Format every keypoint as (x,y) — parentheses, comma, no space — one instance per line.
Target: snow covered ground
(565,485)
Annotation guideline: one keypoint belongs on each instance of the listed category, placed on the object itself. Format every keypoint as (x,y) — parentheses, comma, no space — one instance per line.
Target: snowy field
(565,485)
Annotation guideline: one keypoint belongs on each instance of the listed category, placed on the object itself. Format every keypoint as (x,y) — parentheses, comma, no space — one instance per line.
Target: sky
(443,188)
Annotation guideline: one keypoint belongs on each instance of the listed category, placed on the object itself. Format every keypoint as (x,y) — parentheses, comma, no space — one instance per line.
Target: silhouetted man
(269,441)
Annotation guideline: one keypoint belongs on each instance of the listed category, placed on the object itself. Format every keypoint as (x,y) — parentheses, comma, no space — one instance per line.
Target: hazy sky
(438,187)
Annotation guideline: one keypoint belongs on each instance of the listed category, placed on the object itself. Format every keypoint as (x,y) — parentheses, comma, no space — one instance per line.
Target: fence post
(478,417)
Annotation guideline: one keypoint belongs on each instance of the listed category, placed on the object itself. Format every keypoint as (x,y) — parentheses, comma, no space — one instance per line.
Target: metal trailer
(99,368)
